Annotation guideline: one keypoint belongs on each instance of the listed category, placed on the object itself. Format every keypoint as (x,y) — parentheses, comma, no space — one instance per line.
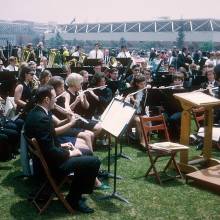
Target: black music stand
(115,120)
(69,58)
(92,62)
(124,61)
(8,80)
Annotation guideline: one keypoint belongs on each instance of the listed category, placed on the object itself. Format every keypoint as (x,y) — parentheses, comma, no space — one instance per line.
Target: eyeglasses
(136,70)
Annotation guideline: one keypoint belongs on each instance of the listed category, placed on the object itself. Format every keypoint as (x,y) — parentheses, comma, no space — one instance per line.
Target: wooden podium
(189,100)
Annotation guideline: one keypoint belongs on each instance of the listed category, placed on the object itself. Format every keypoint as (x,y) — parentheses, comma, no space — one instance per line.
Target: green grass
(148,200)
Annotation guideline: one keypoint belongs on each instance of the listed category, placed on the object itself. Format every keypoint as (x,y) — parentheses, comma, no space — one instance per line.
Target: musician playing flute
(138,100)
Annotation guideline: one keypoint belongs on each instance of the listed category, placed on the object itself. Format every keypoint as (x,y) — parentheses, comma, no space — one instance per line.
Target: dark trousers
(85,169)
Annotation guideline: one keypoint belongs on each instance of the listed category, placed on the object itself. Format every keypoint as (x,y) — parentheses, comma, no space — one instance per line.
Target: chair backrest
(154,123)
(35,149)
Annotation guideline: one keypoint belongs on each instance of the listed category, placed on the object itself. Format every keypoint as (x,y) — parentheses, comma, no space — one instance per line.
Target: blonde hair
(74,79)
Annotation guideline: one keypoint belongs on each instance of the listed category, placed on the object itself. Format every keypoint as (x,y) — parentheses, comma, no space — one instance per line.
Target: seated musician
(12,64)
(61,160)
(58,84)
(97,68)
(99,98)
(135,71)
(174,118)
(78,103)
(116,86)
(44,77)
(211,82)
(85,76)
(77,52)
(96,53)
(138,100)
(43,64)
(147,73)
(124,53)
(172,70)
(24,89)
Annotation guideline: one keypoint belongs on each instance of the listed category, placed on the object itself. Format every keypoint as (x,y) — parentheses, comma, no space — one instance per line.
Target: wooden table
(189,100)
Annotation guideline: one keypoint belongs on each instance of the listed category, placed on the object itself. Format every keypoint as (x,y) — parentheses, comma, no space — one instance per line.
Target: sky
(64,11)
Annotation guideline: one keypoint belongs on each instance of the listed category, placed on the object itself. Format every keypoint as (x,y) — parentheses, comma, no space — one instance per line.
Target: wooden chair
(157,123)
(35,149)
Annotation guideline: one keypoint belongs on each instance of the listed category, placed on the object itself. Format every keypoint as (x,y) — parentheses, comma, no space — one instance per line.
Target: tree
(181,36)
(122,42)
(56,41)
(206,46)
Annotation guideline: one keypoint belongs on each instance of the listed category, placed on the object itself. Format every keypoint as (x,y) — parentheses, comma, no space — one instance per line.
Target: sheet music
(116,116)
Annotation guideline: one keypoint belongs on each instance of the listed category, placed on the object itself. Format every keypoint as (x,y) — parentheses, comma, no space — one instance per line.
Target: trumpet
(66,112)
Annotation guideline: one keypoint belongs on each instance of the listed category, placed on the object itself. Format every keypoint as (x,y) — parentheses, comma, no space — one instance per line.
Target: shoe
(80,205)
(102,187)
(103,174)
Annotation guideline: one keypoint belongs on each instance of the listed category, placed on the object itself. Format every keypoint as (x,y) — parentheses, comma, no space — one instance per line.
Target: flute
(91,89)
(64,111)
(60,95)
(202,90)
(133,93)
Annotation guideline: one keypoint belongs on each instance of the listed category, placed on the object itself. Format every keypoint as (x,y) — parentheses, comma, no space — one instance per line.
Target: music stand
(115,120)
(124,61)
(69,58)
(8,80)
(91,62)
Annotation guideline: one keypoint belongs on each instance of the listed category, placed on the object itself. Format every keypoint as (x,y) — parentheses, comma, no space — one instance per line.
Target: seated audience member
(44,77)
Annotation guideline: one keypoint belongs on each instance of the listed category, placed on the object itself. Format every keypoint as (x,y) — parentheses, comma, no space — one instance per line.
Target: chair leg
(167,165)
(177,168)
(152,166)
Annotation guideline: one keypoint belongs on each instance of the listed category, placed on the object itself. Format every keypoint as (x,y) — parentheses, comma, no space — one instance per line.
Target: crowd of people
(63,113)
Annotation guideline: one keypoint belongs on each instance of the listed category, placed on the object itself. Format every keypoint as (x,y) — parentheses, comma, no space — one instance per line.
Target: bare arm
(63,128)
(17,96)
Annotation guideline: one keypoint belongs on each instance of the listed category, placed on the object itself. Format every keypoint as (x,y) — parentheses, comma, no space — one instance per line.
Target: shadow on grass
(22,186)
(104,204)
(25,210)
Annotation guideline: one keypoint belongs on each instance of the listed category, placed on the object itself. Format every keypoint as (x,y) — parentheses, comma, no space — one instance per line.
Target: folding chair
(157,123)
(35,149)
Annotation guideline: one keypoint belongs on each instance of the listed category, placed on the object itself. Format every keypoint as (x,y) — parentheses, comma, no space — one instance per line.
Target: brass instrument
(51,59)
(113,62)
(82,57)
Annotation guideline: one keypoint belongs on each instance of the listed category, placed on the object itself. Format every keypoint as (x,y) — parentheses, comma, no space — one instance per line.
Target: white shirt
(96,54)
(12,68)
(75,54)
(124,54)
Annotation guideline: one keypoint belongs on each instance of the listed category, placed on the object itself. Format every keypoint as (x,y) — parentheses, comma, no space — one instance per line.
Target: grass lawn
(148,200)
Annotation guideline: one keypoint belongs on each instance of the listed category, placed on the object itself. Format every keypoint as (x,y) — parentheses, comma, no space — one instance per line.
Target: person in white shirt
(12,64)
(124,53)
(77,51)
(96,53)
(211,59)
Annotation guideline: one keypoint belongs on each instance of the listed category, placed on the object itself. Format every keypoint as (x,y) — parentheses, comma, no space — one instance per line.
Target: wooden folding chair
(42,206)
(157,123)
